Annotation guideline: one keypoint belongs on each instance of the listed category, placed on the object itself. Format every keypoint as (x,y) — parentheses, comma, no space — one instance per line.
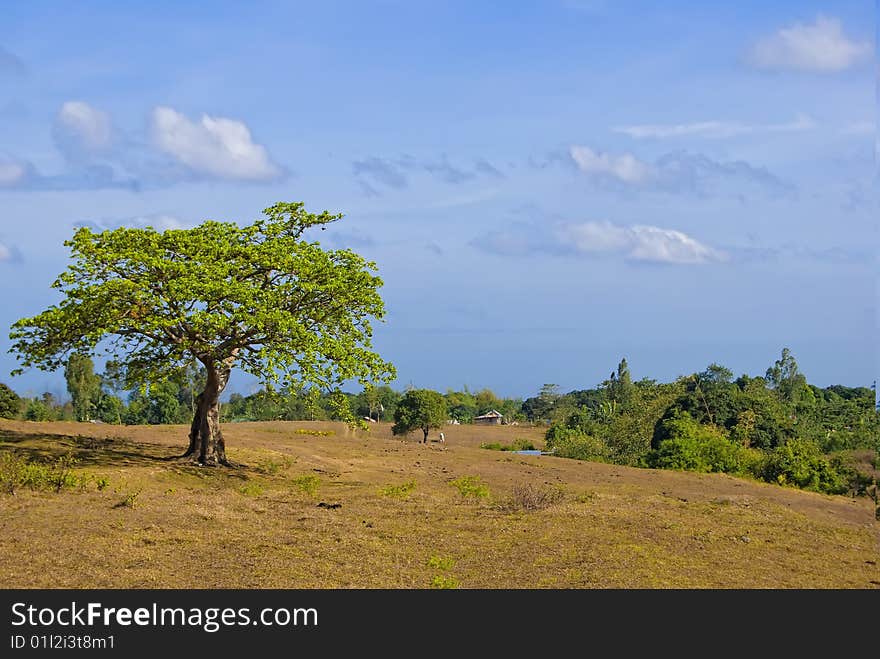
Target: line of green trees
(776,427)
(101,397)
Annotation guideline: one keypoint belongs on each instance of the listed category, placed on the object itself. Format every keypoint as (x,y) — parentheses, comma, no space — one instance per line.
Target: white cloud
(213,146)
(626,167)
(12,172)
(715,129)
(5,253)
(82,127)
(820,48)
(638,243)
(678,171)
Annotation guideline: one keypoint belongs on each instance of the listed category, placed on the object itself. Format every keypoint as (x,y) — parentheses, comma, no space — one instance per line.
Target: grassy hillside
(364,510)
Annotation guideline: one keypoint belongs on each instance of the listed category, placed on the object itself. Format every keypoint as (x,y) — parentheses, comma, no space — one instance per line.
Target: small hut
(490,418)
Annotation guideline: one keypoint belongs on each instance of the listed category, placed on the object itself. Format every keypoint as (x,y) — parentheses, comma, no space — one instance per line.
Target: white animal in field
(442,437)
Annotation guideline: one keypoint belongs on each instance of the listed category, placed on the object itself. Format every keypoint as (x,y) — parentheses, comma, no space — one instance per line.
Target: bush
(270,466)
(693,446)
(10,403)
(37,410)
(251,489)
(856,468)
(308,484)
(16,472)
(528,497)
(443,581)
(129,500)
(443,563)
(314,433)
(517,445)
(398,491)
(574,443)
(800,462)
(470,487)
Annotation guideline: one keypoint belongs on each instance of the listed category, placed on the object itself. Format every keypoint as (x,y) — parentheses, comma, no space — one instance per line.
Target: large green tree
(419,409)
(259,297)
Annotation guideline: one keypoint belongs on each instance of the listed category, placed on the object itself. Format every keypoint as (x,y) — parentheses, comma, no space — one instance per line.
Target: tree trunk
(206,445)
(425,440)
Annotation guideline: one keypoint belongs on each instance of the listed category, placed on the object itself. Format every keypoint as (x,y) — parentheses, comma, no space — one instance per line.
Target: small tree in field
(419,409)
(83,385)
(258,297)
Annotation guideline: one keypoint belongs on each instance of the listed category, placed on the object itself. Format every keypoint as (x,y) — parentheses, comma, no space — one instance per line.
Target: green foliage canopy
(259,296)
(419,409)
(10,403)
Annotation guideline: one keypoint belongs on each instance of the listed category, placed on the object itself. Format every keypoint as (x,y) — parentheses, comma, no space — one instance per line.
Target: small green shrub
(314,433)
(270,466)
(251,489)
(516,445)
(398,491)
(62,475)
(443,581)
(521,444)
(129,500)
(102,483)
(16,472)
(470,487)
(585,497)
(443,563)
(308,484)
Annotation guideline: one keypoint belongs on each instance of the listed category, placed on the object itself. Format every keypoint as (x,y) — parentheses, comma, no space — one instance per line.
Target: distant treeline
(776,427)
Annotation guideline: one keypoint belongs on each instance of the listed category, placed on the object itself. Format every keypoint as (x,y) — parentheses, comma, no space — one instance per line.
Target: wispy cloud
(714,129)
(483,166)
(636,243)
(11,64)
(374,172)
(5,253)
(352,239)
(215,147)
(820,47)
(380,171)
(625,167)
(678,171)
(835,255)
(443,170)
(19,174)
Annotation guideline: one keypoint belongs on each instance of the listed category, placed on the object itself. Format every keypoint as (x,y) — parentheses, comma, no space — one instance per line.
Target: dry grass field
(354,509)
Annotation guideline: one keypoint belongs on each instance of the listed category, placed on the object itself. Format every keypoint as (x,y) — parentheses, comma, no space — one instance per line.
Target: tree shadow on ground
(88,451)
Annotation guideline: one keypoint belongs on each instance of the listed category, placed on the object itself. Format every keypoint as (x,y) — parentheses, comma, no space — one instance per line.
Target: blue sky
(545,186)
